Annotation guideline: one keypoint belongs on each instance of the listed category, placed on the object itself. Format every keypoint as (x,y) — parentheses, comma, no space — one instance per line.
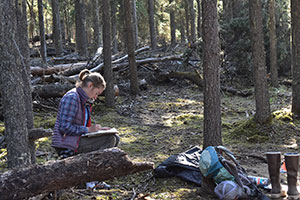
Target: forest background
(236,49)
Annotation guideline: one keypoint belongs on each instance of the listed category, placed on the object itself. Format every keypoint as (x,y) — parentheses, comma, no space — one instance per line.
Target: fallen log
(51,90)
(98,165)
(148,60)
(33,134)
(91,66)
(197,79)
(39,71)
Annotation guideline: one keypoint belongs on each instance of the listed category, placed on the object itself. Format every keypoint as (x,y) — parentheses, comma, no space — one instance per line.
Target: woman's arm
(69,108)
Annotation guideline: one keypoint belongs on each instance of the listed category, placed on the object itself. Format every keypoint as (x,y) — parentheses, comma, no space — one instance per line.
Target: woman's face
(93,92)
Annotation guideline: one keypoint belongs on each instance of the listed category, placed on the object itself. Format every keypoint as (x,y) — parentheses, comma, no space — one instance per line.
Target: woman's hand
(94,128)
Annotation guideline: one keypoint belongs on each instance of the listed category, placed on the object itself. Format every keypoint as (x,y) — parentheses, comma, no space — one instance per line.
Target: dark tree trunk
(57,36)
(199,19)
(80,21)
(11,85)
(151,9)
(108,74)
(114,5)
(122,28)
(73,171)
(135,23)
(172,25)
(187,20)
(22,42)
(192,20)
(43,48)
(96,24)
(211,64)
(134,89)
(263,112)
(295,13)
(273,44)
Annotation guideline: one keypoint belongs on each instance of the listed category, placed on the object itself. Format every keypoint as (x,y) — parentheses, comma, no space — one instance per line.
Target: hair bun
(83,74)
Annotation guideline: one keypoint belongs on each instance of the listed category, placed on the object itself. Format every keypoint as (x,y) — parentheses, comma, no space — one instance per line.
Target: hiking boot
(292,164)
(274,163)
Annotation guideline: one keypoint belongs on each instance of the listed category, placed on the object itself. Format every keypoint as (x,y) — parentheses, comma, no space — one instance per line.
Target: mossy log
(98,165)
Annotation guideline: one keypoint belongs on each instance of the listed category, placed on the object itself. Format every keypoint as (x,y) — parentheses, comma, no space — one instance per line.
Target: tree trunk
(22,42)
(43,48)
(135,23)
(134,89)
(80,21)
(295,13)
(114,5)
(199,19)
(151,4)
(273,44)
(11,87)
(192,20)
(122,24)
(108,74)
(172,25)
(262,100)
(57,36)
(211,73)
(73,171)
(187,21)
(96,24)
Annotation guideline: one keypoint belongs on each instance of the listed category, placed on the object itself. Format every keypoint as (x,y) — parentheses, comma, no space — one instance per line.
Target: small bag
(211,167)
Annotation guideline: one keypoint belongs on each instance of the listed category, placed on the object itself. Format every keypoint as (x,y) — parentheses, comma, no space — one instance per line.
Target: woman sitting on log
(74,118)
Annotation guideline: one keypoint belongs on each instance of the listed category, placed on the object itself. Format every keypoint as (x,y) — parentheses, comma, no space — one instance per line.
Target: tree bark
(273,44)
(192,20)
(80,21)
(11,87)
(199,19)
(22,35)
(97,165)
(43,48)
(262,99)
(187,20)
(151,4)
(108,73)
(57,35)
(295,13)
(135,23)
(172,24)
(114,5)
(96,24)
(134,89)
(211,63)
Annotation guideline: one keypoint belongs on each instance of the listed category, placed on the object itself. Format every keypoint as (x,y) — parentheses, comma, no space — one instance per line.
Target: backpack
(213,164)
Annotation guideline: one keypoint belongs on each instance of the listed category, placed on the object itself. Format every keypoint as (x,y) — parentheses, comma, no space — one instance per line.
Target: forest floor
(166,119)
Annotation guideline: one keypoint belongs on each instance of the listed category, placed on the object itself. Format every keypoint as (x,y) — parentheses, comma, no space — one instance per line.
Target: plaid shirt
(67,113)
(70,122)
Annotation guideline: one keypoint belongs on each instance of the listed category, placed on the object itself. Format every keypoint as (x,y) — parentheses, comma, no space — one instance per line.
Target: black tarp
(183,165)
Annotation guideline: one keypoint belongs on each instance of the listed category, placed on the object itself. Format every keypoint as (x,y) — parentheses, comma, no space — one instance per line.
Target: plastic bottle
(260,181)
